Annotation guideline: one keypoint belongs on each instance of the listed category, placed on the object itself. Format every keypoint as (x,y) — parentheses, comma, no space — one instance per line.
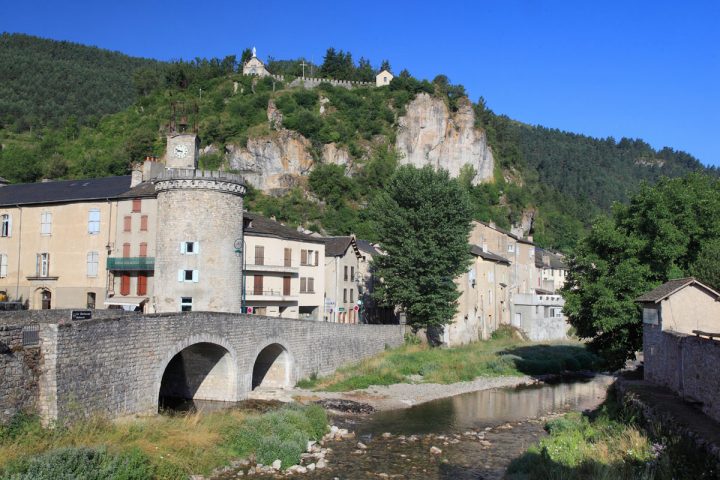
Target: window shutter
(317,257)
(303,257)
(181,275)
(9,230)
(183,247)
(303,283)
(47,272)
(144,223)
(37,264)
(196,276)
(197,247)
(311,285)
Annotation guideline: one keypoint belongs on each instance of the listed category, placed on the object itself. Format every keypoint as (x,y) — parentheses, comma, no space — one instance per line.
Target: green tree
(330,184)
(707,267)
(665,232)
(423,221)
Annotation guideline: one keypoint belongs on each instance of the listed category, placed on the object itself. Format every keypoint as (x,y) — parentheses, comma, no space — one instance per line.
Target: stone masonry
(114,367)
(684,363)
(19,373)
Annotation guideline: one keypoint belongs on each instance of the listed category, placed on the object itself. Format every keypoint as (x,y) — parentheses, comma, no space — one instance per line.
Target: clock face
(181,151)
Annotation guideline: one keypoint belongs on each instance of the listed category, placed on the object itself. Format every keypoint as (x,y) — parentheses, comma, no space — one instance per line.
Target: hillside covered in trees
(565,179)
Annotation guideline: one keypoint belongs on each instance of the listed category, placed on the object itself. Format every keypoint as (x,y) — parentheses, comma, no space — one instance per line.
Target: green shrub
(19,424)
(282,434)
(82,463)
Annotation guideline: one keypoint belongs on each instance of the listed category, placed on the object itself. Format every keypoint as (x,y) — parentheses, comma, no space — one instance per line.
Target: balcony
(270,296)
(261,266)
(550,300)
(135,264)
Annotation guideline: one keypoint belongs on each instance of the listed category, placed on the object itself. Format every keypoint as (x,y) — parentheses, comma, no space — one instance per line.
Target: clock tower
(183,143)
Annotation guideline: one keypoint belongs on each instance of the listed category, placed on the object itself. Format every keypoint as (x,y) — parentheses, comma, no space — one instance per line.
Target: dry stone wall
(114,367)
(684,363)
(19,373)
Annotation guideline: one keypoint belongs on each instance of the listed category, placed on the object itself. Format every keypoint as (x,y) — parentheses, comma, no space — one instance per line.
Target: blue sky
(640,69)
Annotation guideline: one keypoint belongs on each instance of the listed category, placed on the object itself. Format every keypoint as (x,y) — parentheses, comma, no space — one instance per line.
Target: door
(46,298)
(517,320)
(286,286)
(258,285)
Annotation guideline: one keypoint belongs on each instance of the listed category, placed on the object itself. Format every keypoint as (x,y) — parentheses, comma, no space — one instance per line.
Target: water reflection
(489,407)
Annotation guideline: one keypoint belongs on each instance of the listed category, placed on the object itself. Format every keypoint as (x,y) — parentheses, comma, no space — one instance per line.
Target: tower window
(186,304)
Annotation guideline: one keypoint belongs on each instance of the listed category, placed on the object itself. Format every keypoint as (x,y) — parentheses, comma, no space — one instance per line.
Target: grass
(610,443)
(501,356)
(170,447)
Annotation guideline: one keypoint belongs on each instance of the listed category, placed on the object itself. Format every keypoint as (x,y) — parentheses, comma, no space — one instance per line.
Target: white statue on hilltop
(254,52)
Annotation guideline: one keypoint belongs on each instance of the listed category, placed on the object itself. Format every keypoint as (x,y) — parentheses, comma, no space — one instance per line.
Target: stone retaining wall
(684,363)
(19,372)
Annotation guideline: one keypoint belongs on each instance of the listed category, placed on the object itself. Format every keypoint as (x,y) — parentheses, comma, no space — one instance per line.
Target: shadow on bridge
(203,371)
(272,368)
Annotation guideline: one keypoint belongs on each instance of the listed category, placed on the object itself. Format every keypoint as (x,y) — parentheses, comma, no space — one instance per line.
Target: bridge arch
(201,367)
(273,366)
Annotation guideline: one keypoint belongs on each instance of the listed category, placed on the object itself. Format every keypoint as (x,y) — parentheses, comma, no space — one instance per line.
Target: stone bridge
(123,366)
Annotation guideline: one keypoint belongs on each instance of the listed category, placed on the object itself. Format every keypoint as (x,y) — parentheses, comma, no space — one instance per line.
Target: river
(478,433)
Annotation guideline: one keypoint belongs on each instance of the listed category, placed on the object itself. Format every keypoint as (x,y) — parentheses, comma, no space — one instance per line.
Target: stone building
(370,311)
(383,78)
(681,346)
(342,276)
(284,273)
(551,270)
(255,66)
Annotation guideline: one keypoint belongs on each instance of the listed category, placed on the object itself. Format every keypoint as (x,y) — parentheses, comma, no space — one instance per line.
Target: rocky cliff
(429,134)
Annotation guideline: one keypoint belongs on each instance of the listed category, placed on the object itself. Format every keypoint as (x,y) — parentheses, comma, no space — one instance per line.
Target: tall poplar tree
(423,221)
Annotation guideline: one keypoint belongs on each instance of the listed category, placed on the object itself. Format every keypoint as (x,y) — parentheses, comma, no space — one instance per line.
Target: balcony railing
(136,264)
(270,267)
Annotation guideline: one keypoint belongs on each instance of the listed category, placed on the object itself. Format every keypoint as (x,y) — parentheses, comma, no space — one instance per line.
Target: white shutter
(196,275)
(181,275)
(183,247)
(9,225)
(37,264)
(197,247)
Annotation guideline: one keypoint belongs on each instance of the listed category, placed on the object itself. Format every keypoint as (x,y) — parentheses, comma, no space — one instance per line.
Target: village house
(681,346)
(551,270)
(284,270)
(342,275)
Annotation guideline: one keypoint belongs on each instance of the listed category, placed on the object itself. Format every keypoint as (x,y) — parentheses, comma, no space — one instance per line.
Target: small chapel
(255,66)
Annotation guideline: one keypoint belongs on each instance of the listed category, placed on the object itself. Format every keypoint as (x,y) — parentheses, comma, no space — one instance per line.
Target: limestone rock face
(428,134)
(274,162)
(337,155)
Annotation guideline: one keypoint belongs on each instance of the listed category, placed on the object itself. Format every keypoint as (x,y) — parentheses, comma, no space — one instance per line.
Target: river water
(478,433)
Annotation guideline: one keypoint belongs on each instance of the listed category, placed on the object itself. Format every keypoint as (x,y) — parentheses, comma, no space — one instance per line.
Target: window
(94,221)
(491,276)
(6,226)
(511,247)
(352,274)
(352,295)
(127,223)
(186,304)
(42,265)
(3,265)
(190,248)
(125,284)
(344,295)
(126,250)
(142,284)
(288,257)
(345,275)
(259,255)
(144,223)
(189,276)
(258,284)
(93,259)
(143,249)
(45,223)
(91,299)
(308,257)
(136,205)
(307,285)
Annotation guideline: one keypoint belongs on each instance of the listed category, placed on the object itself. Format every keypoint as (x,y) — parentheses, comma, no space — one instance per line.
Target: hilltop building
(383,78)
(255,66)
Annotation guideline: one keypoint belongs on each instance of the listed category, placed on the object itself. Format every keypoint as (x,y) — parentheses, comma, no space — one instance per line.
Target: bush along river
(472,435)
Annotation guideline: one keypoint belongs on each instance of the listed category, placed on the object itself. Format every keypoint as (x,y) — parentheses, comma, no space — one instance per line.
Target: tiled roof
(556,261)
(144,189)
(62,191)
(668,288)
(366,247)
(336,246)
(265,227)
(476,250)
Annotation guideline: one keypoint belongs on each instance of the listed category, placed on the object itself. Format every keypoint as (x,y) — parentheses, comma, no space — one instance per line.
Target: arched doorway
(43,299)
(198,373)
(272,368)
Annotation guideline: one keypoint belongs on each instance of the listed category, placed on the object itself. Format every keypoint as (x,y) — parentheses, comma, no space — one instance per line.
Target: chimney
(136,177)
(492,225)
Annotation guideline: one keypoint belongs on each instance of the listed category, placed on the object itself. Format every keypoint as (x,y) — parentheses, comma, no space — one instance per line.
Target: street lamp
(240,250)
